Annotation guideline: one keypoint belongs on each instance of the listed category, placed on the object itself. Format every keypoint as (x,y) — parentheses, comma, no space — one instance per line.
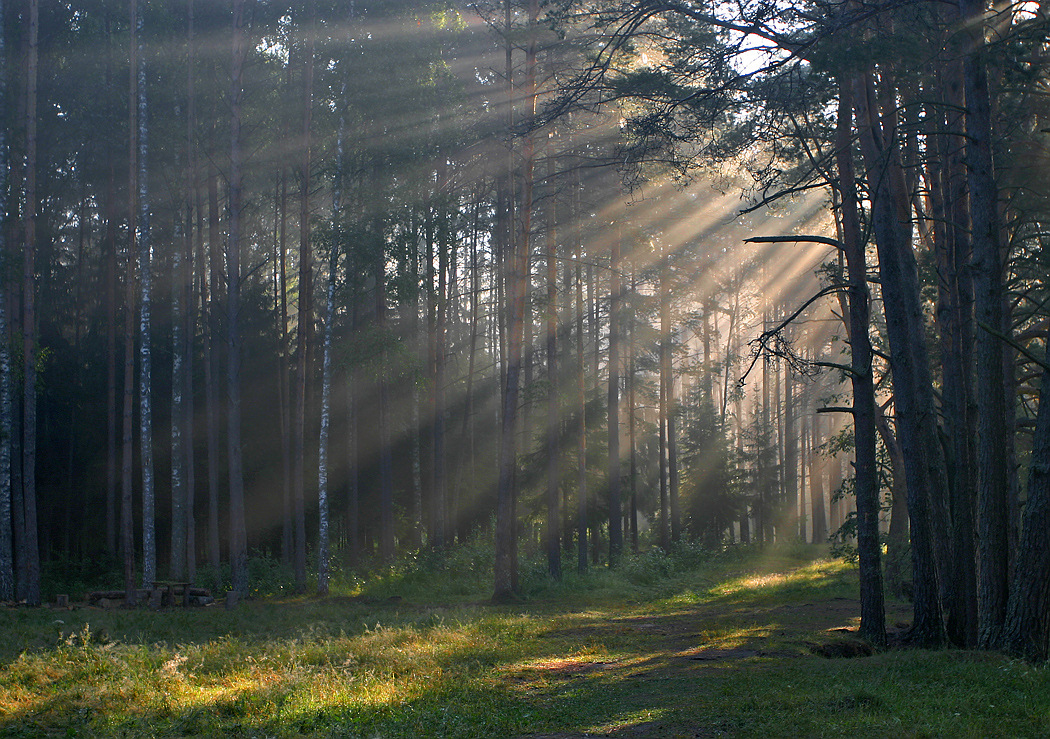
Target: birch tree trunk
(323,566)
(211,375)
(127,533)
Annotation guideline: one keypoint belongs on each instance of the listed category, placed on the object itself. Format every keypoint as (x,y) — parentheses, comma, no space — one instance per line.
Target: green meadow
(745,643)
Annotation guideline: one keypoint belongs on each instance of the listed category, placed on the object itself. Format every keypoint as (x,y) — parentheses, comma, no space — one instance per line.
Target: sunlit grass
(712,646)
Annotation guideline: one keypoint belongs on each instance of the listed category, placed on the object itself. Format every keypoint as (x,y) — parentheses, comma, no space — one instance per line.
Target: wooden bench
(168,590)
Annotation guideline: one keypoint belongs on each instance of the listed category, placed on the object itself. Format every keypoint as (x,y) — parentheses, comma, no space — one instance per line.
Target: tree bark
(1026,630)
(553,532)
(31,567)
(911,382)
(211,375)
(993,482)
(7,565)
(140,183)
(616,299)
(873,618)
(238,532)
(304,330)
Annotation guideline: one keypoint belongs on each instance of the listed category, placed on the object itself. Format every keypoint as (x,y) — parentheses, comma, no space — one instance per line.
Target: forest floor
(747,644)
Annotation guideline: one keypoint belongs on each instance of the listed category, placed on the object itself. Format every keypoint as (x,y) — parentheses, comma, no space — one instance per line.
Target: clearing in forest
(747,643)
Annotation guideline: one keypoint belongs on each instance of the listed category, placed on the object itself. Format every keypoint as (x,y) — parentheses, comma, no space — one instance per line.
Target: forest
(302,290)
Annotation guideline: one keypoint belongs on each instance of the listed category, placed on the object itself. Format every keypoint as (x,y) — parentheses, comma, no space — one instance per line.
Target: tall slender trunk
(581,410)
(211,374)
(615,310)
(127,533)
(305,319)
(667,505)
(632,426)
(7,565)
(949,209)
(386,484)
(353,490)
(238,532)
(790,474)
(283,372)
(819,527)
(323,565)
(505,574)
(182,545)
(112,545)
(72,510)
(553,532)
(439,489)
(29,331)
(188,405)
(140,139)
(177,553)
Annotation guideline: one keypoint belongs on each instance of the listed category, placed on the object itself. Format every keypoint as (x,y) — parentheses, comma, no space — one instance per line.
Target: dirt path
(681,646)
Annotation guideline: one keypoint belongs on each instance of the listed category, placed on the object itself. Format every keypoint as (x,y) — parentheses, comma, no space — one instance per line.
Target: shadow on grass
(728,660)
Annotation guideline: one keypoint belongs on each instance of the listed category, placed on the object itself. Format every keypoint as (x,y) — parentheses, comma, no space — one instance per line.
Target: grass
(680,645)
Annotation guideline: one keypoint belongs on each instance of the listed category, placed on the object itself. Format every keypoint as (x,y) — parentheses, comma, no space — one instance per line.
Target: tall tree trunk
(112,487)
(993,484)
(439,490)
(615,289)
(1026,630)
(516,296)
(111,362)
(127,533)
(790,474)
(912,386)
(238,532)
(553,540)
(581,411)
(873,614)
(189,411)
(353,487)
(211,374)
(177,554)
(7,565)
(305,318)
(140,142)
(632,426)
(819,528)
(283,372)
(669,531)
(386,484)
(323,568)
(949,210)
(29,331)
